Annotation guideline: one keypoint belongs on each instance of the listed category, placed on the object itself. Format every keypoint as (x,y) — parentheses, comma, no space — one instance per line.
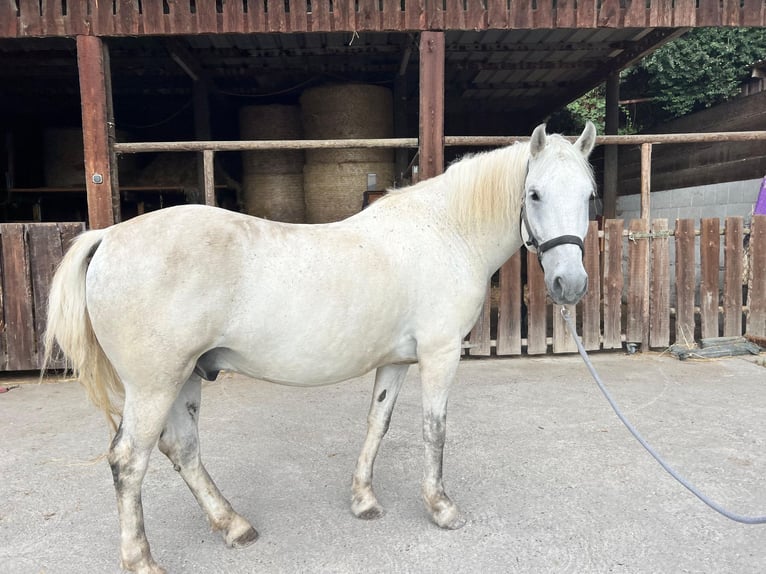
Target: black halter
(534,245)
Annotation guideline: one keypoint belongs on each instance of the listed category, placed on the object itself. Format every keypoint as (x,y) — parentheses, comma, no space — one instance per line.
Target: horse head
(557,188)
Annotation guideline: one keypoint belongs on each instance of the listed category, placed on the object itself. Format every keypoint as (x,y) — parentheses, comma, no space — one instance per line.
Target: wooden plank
(29,17)
(342,15)
(537,307)
(45,252)
(19,316)
(591,302)
(610,15)
(431,130)
(635,14)
(587,14)
(661,13)
(521,15)
(685,281)
(299,16)
(256,15)
(53,18)
(476,15)
(756,317)
(659,310)
(613,283)
(753,12)
(102,18)
(367,15)
(710,266)
(481,346)
(454,16)
(685,13)
(393,17)
(497,15)
(128,19)
(69,231)
(543,17)
(77,20)
(3,343)
(731,13)
(562,340)
(566,16)
(153,20)
(734,253)
(233,20)
(8,20)
(415,14)
(509,310)
(93,67)
(638,271)
(709,13)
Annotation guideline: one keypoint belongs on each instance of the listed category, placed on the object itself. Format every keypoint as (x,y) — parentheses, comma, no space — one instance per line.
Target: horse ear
(587,140)
(537,143)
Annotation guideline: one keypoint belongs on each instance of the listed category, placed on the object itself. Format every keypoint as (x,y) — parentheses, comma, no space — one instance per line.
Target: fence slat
(19,325)
(756,319)
(732,280)
(537,321)
(509,309)
(710,266)
(481,345)
(684,281)
(44,255)
(591,302)
(638,270)
(613,283)
(562,340)
(659,310)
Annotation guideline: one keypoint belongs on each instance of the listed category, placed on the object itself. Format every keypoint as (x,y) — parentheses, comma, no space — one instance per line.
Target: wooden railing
(20,18)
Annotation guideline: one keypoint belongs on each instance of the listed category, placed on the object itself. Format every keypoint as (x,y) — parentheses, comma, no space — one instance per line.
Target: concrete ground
(546,475)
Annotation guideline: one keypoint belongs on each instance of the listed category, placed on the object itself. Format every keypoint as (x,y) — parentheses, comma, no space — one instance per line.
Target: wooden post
(202,132)
(431,132)
(208,176)
(646,179)
(95,98)
(610,151)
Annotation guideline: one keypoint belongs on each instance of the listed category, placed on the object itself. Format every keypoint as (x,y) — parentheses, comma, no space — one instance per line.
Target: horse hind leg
(179,441)
(388,382)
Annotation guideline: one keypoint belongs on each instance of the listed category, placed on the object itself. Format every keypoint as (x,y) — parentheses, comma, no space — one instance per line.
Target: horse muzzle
(567,280)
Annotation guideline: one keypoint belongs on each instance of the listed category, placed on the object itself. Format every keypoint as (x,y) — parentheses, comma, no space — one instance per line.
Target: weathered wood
(93,67)
(591,302)
(45,252)
(431,132)
(244,145)
(637,330)
(636,14)
(566,16)
(586,13)
(19,316)
(610,15)
(685,13)
(710,266)
(646,180)
(480,343)
(661,13)
(509,309)
(3,330)
(756,317)
(733,275)
(208,178)
(537,307)
(659,302)
(685,281)
(613,283)
(562,340)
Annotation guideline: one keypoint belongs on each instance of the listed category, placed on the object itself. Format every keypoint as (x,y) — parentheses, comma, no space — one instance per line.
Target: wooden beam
(93,66)
(431,131)
(610,152)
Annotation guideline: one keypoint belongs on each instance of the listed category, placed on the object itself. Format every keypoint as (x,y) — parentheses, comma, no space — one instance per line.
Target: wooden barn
(114,108)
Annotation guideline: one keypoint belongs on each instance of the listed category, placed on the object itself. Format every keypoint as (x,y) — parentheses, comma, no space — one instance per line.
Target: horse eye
(534,196)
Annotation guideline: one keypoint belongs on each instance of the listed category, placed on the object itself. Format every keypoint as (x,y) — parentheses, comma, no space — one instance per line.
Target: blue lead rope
(715,506)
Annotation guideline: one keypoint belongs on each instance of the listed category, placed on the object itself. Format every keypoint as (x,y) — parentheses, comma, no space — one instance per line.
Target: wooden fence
(30,253)
(628,299)
(629,294)
(155,17)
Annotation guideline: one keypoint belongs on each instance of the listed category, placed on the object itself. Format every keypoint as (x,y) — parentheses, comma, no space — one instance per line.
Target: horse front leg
(388,382)
(437,372)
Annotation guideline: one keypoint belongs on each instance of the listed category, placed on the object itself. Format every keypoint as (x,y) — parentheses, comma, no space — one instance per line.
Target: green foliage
(702,68)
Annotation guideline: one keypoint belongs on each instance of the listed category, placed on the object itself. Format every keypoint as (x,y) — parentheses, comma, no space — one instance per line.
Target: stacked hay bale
(272,180)
(335,179)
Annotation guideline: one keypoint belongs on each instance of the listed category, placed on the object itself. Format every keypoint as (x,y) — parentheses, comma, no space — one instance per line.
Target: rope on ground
(712,504)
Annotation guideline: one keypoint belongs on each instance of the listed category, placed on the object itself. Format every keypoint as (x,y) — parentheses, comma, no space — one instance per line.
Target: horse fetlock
(444,512)
(144,564)
(239,533)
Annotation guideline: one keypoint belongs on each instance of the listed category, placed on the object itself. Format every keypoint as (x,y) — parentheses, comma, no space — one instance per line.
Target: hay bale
(335,191)
(275,196)
(273,122)
(349,111)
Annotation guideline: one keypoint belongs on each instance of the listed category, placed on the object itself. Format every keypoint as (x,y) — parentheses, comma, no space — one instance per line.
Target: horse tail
(69,325)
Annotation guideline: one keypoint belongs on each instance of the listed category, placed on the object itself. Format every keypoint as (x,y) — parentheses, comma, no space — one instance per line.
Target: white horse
(145,309)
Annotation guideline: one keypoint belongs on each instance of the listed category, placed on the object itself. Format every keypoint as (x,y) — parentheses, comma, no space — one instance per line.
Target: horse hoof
(245,539)
(240,534)
(371,513)
(449,518)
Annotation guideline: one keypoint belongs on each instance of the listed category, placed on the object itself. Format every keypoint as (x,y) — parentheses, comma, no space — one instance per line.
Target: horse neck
(484,199)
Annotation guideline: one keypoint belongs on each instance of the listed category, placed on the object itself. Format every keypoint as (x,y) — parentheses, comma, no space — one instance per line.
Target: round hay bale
(275,196)
(335,191)
(273,122)
(348,111)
